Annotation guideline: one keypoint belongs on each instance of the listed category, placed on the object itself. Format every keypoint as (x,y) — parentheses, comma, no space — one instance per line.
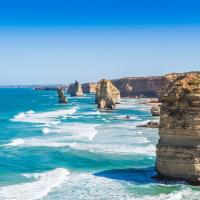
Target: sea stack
(61,97)
(155,110)
(178,149)
(75,89)
(107,95)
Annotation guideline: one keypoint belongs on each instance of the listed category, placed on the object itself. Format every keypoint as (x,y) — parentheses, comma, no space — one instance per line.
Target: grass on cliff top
(194,82)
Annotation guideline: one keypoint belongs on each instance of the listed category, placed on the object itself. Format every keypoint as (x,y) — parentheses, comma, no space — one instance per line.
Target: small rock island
(178,149)
(61,96)
(75,89)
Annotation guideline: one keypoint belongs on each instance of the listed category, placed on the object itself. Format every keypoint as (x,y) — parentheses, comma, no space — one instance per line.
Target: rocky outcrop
(150,125)
(61,97)
(155,110)
(107,95)
(178,149)
(139,86)
(89,87)
(75,89)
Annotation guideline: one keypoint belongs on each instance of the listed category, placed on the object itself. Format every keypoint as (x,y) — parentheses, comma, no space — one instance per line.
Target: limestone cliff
(61,97)
(178,149)
(139,86)
(107,95)
(75,89)
(89,87)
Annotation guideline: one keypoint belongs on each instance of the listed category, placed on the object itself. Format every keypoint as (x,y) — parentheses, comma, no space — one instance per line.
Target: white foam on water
(94,113)
(20,115)
(65,135)
(75,130)
(30,112)
(37,142)
(15,142)
(43,117)
(116,149)
(183,194)
(39,188)
(85,186)
(45,130)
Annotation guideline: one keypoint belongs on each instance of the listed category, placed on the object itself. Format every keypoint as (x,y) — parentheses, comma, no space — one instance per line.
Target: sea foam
(15,142)
(39,188)
(74,130)
(42,117)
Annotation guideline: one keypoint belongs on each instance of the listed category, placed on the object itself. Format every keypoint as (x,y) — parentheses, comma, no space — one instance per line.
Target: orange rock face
(178,150)
(107,95)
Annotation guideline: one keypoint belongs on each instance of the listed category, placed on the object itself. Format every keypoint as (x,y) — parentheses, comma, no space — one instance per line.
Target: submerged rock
(107,95)
(61,97)
(75,89)
(155,110)
(178,149)
(150,125)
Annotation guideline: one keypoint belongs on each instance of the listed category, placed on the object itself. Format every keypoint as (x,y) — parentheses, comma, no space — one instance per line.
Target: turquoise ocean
(74,152)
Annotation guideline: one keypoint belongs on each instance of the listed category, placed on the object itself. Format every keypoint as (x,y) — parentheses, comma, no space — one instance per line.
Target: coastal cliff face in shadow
(139,86)
(178,153)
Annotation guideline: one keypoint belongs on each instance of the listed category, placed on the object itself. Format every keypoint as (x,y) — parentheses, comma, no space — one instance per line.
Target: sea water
(75,152)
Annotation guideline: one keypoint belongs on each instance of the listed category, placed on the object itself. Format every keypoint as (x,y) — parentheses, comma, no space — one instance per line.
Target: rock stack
(155,110)
(107,95)
(75,89)
(61,96)
(178,149)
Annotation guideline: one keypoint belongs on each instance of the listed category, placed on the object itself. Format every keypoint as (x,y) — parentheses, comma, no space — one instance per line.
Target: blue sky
(59,41)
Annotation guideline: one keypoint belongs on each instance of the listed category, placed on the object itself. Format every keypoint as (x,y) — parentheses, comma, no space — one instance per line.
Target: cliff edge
(178,149)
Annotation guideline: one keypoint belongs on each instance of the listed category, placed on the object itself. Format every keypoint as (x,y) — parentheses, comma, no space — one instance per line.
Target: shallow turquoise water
(51,151)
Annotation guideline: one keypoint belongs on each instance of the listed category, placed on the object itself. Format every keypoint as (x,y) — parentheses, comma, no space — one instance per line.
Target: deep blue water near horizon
(55,152)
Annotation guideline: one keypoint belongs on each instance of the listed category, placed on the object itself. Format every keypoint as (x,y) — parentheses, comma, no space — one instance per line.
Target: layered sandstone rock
(61,96)
(107,95)
(89,87)
(75,89)
(178,150)
(139,86)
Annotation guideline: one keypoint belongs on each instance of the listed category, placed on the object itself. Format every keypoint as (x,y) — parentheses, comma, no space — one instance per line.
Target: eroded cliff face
(61,96)
(75,89)
(107,95)
(139,86)
(89,87)
(178,150)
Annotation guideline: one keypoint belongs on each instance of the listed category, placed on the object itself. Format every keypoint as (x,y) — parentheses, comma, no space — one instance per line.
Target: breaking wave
(42,117)
(43,184)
